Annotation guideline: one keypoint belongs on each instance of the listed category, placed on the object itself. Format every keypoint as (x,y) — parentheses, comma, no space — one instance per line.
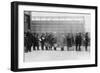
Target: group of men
(47,41)
(78,40)
(35,40)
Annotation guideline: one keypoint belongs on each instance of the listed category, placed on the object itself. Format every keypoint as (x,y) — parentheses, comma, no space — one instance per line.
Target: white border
(22,64)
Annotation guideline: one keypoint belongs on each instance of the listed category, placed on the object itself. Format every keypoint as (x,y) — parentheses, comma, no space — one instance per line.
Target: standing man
(35,42)
(42,41)
(68,41)
(78,41)
(29,41)
(86,41)
(50,40)
(46,42)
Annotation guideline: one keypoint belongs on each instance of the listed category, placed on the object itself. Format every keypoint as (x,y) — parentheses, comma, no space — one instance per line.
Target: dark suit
(28,41)
(68,42)
(78,41)
(86,41)
(35,42)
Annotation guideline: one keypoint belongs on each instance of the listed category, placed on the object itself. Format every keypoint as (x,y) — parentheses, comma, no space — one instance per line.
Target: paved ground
(57,55)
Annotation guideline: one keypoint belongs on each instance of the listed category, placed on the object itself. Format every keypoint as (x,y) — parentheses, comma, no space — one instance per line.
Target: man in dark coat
(86,41)
(28,41)
(46,41)
(42,41)
(78,41)
(35,42)
(34,37)
(69,41)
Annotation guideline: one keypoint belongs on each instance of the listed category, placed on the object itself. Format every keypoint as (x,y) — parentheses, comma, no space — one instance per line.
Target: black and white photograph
(53,36)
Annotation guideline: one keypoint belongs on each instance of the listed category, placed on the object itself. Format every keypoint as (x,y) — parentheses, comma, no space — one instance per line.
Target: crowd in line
(50,41)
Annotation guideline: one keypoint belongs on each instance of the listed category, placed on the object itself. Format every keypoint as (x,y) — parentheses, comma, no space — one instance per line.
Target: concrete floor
(57,55)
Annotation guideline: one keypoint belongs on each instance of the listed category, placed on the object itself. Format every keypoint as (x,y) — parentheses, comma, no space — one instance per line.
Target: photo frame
(47,36)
